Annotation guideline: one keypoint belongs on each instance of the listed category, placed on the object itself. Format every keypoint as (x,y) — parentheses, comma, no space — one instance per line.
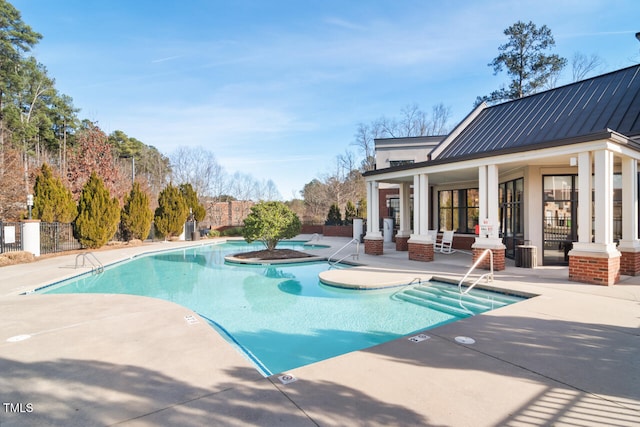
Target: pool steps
(446,298)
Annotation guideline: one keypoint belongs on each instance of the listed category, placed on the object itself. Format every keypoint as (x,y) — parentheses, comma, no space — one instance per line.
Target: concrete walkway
(568,357)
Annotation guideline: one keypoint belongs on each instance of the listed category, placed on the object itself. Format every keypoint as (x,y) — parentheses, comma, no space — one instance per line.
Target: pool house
(556,171)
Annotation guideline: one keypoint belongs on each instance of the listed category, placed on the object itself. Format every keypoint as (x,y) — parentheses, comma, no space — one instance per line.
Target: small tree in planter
(270,222)
(334,217)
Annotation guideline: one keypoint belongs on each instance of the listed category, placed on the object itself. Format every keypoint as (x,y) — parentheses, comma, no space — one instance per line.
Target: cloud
(168,58)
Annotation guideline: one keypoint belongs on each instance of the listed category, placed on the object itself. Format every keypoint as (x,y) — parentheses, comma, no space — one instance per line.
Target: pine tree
(334,217)
(136,214)
(98,214)
(349,212)
(53,202)
(191,197)
(172,212)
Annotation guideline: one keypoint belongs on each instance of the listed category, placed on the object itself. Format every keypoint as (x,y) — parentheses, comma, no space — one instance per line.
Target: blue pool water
(280,316)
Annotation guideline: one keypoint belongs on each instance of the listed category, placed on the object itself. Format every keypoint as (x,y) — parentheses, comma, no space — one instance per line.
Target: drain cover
(287,379)
(418,338)
(465,340)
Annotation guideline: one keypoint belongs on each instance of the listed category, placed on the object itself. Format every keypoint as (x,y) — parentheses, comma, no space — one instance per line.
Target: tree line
(38,125)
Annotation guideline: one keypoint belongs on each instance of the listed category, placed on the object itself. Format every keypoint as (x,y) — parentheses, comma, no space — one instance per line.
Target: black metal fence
(57,237)
(10,236)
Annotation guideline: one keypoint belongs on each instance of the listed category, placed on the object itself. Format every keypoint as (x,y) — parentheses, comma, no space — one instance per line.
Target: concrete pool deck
(570,356)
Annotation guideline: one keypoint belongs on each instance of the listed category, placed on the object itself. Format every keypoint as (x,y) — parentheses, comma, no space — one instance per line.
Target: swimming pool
(280,316)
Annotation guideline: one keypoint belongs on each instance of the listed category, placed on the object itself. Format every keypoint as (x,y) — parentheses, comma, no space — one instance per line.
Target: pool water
(280,316)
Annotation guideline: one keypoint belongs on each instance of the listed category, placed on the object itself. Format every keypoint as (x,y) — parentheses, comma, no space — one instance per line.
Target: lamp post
(133,167)
(29,203)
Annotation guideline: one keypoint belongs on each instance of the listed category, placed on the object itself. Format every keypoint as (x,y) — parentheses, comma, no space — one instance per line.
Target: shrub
(334,217)
(231,231)
(136,214)
(191,198)
(271,222)
(98,214)
(349,212)
(172,212)
(52,202)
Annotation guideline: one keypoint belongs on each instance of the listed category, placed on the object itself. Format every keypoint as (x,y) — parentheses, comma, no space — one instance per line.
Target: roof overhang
(554,153)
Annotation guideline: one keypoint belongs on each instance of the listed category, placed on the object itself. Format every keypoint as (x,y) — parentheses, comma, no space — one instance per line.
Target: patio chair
(445,246)
(433,234)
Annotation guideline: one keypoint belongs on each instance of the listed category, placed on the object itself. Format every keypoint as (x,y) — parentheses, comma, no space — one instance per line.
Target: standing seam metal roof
(610,101)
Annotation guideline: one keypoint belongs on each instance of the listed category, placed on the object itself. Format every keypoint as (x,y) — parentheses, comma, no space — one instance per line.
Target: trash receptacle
(195,235)
(526,256)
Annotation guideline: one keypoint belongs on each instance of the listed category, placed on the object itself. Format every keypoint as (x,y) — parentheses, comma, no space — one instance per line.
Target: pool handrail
(488,276)
(96,265)
(356,255)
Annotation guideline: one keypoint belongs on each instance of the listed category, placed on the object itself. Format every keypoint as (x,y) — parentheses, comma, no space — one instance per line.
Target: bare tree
(364,140)
(582,65)
(268,191)
(198,167)
(440,116)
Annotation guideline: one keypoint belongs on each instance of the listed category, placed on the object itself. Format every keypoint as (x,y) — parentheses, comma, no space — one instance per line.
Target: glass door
(511,215)
(559,225)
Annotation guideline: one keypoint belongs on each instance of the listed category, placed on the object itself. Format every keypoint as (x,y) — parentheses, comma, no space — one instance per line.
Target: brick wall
(402,243)
(338,230)
(420,251)
(498,259)
(595,270)
(630,263)
(373,247)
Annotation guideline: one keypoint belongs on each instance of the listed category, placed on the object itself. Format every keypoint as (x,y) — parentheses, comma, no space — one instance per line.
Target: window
(393,163)
(458,210)
(511,199)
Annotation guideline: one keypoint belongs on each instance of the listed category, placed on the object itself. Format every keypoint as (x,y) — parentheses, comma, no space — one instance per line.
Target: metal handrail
(357,254)
(488,276)
(96,265)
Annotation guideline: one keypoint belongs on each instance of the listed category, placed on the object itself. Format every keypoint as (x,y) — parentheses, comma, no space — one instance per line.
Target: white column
(405,210)
(584,197)
(482,193)
(417,195)
(489,208)
(31,236)
(420,210)
(424,204)
(603,186)
(629,203)
(493,201)
(373,211)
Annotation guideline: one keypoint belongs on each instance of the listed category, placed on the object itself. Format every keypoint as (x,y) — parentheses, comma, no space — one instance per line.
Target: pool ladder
(488,276)
(89,257)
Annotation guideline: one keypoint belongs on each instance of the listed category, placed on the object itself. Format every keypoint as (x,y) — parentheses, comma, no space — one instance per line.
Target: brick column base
(402,243)
(420,251)
(596,270)
(630,263)
(373,246)
(498,259)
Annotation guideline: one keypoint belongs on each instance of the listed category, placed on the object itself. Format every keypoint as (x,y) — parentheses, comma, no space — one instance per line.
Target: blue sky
(277,89)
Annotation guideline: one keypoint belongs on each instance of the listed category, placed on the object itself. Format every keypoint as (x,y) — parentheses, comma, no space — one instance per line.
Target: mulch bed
(274,254)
